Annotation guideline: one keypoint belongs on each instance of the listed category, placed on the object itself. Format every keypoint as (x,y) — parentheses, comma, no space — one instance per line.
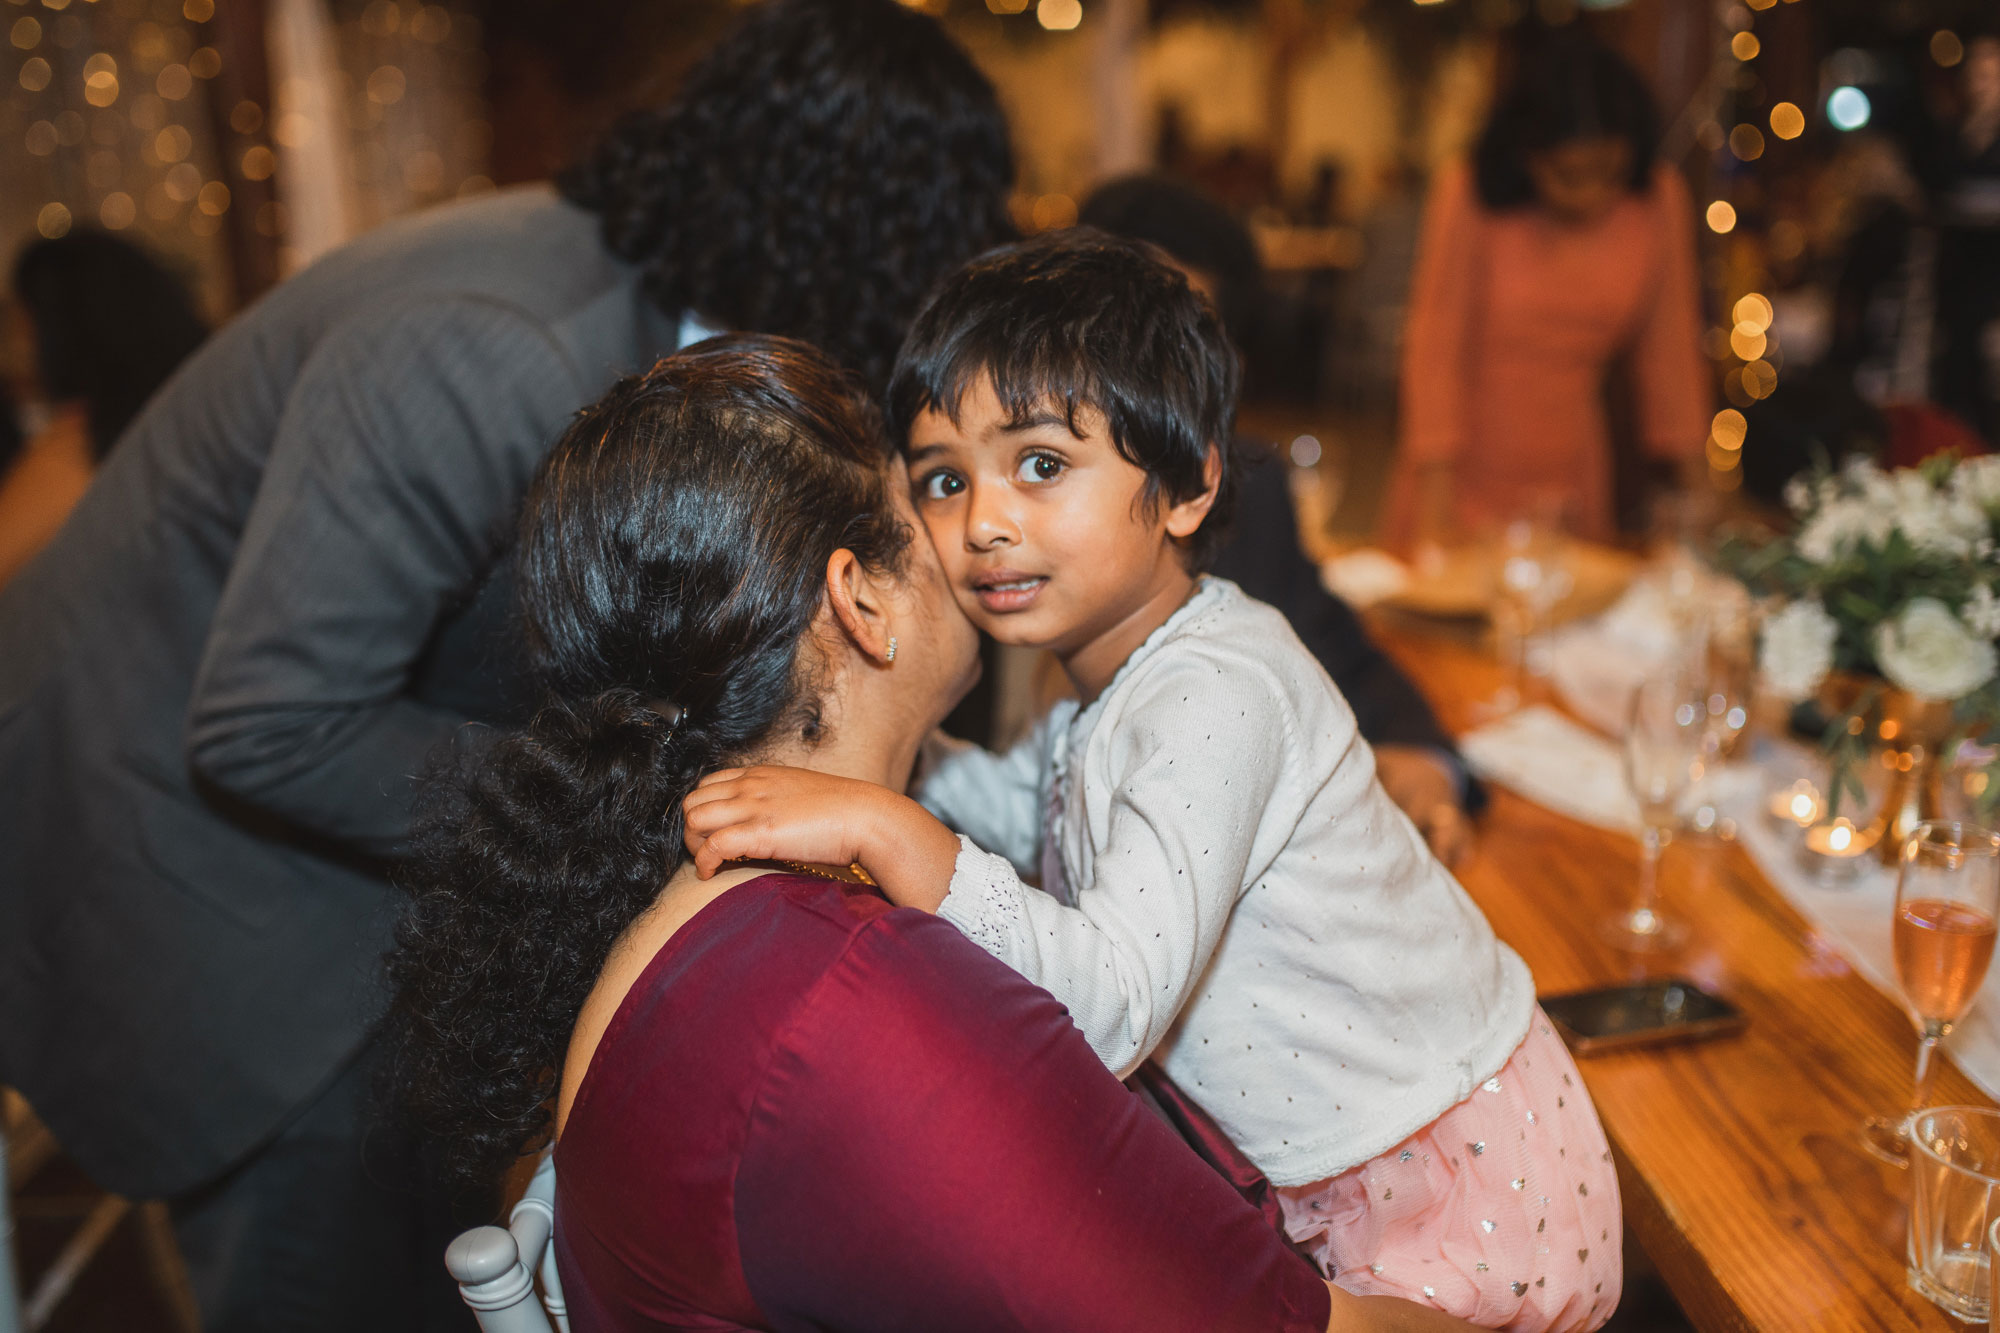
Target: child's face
(1048,539)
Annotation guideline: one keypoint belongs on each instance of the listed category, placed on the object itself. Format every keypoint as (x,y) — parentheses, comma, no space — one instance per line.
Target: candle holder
(1839,849)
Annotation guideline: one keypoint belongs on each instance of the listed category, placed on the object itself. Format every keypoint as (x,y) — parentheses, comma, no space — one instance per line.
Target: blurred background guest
(1563,247)
(1262,551)
(101,324)
(297,542)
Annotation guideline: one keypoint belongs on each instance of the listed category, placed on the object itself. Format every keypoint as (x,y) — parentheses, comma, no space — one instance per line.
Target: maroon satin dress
(817,1111)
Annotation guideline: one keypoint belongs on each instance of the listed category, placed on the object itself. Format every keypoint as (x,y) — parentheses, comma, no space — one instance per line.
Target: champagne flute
(1531,574)
(1947,901)
(1666,734)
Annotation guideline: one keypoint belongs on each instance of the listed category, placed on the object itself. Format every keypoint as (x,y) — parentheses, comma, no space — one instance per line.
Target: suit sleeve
(934,1147)
(1669,375)
(402,453)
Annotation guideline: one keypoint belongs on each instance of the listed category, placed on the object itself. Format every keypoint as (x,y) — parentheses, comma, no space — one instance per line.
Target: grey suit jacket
(216,684)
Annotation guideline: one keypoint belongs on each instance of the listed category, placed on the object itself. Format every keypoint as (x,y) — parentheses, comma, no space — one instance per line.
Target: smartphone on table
(1666,1009)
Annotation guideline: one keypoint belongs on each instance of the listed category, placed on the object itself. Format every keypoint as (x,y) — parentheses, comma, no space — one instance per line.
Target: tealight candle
(1837,849)
(1799,805)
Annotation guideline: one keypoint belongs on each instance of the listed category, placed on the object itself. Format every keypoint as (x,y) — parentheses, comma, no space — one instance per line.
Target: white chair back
(496,1268)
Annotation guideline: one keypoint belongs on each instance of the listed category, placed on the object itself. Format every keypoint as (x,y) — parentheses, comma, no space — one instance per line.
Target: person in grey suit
(279,601)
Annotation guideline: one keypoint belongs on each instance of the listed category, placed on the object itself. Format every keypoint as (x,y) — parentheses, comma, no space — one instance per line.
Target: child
(1224,885)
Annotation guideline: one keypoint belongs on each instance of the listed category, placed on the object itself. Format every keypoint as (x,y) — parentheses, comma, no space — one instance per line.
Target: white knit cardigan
(1239,898)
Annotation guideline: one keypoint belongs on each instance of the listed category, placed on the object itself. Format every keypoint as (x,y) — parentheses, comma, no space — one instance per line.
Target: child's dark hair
(1085,319)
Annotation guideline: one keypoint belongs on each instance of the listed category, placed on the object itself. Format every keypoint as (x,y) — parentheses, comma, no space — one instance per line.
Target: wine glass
(1666,735)
(1947,901)
(1531,573)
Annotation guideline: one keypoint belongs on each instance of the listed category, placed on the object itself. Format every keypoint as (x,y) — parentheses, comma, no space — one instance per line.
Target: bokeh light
(1721,217)
(1747,341)
(53,221)
(118,211)
(1053,211)
(1787,121)
(1306,451)
(1746,142)
(1848,108)
(35,74)
(1729,428)
(25,34)
(1745,46)
(1946,49)
(1753,312)
(1059,15)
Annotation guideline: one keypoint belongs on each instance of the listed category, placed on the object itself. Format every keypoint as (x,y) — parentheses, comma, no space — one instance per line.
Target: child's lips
(1006,591)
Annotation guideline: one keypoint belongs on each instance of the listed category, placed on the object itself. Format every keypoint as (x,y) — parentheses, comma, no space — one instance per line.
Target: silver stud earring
(892,650)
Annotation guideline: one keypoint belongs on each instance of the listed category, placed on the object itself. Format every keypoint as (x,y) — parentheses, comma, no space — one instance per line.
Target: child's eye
(940,485)
(1041,467)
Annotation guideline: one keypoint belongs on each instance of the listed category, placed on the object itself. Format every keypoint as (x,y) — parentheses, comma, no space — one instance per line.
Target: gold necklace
(855,874)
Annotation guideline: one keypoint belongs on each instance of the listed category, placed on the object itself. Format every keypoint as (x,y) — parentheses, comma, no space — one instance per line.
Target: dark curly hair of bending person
(822,166)
(672,557)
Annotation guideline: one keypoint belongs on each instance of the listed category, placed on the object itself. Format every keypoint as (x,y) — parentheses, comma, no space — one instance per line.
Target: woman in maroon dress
(782,1103)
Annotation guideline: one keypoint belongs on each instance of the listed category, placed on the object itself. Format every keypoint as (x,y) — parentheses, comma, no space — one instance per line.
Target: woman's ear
(858,605)
(1186,517)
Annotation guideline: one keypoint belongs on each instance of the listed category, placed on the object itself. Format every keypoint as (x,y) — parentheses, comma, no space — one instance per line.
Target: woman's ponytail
(672,555)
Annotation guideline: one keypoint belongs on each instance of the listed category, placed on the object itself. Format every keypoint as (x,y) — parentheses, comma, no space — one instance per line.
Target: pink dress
(1515,319)
(1502,1211)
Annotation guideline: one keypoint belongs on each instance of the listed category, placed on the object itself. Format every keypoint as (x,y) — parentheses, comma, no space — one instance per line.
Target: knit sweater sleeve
(1180,772)
(993,799)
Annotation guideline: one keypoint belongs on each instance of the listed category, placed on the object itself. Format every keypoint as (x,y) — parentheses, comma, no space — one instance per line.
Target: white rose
(1981,613)
(1929,652)
(1841,525)
(1941,522)
(1977,481)
(1796,651)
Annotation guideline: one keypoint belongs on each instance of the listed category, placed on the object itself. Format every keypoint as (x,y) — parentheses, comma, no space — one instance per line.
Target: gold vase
(1907,736)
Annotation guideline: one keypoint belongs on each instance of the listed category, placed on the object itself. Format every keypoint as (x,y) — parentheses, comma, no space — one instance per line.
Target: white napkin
(1595,665)
(1364,576)
(1555,763)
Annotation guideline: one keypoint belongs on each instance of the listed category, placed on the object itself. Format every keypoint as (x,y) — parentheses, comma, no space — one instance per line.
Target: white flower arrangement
(1892,575)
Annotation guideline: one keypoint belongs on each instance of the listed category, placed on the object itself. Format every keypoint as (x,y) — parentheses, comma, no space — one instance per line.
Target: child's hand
(1418,781)
(796,814)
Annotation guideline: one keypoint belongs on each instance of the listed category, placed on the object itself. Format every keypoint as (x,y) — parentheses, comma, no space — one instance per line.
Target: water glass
(1954,1169)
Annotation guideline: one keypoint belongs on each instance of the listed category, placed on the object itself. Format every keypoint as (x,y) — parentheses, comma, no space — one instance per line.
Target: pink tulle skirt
(1502,1211)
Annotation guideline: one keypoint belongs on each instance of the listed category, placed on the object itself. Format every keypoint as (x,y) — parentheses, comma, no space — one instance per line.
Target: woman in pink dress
(779,1102)
(1561,246)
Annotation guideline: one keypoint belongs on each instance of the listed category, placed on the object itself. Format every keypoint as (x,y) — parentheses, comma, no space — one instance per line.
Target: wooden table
(1743,1177)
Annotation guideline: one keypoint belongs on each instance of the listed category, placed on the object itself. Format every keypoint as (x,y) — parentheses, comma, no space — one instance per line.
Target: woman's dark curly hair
(111,323)
(823,165)
(673,555)
(1564,85)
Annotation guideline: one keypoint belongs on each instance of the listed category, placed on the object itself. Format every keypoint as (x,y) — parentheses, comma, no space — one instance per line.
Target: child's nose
(988,521)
